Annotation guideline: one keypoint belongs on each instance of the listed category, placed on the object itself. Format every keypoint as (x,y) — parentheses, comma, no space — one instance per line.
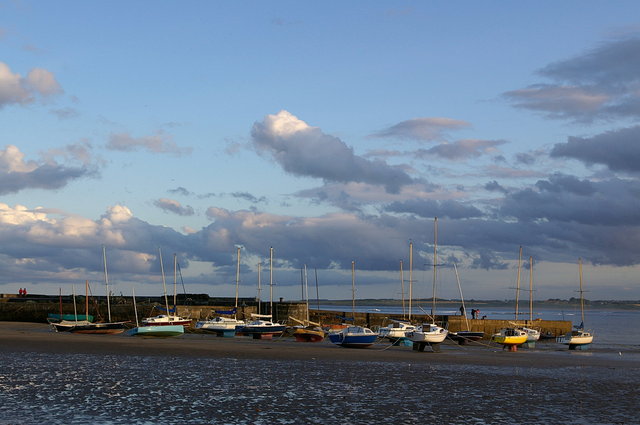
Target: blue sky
(333,132)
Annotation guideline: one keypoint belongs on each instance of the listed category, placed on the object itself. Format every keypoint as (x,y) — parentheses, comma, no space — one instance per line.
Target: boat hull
(100,328)
(354,337)
(430,333)
(576,338)
(308,335)
(463,337)
(163,320)
(157,331)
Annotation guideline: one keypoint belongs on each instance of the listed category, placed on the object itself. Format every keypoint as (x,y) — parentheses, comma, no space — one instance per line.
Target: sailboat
(307,331)
(430,333)
(353,336)
(221,325)
(532,334)
(100,327)
(262,326)
(513,336)
(162,331)
(67,322)
(464,336)
(166,319)
(396,331)
(579,338)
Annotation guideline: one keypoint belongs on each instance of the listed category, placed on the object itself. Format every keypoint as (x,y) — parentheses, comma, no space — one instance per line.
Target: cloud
(432,208)
(17,174)
(566,199)
(303,150)
(425,129)
(248,197)
(602,83)
(158,143)
(462,149)
(619,150)
(15,89)
(170,205)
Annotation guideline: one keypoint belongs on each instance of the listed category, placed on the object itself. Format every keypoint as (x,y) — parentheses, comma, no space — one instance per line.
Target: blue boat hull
(353,341)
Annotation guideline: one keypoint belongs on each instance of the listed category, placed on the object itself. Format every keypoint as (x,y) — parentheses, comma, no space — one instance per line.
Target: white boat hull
(430,333)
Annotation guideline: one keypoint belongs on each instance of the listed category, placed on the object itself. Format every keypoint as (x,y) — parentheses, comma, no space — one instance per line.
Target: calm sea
(613,329)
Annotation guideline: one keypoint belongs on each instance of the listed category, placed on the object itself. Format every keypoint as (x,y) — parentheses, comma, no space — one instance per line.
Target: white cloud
(160,142)
(14,89)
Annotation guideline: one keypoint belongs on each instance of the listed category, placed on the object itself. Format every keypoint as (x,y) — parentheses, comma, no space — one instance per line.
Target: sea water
(614,329)
(37,388)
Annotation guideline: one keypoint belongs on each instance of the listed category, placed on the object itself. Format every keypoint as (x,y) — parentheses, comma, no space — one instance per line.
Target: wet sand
(202,379)
(39,338)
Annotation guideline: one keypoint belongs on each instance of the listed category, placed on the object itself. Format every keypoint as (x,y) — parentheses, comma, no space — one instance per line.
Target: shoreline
(22,337)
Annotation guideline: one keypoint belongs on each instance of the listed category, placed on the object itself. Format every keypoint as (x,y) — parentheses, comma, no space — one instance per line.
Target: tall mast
(402,290)
(353,291)
(461,297)
(86,300)
(259,287)
(435,262)
(75,309)
(410,276)
(518,282)
(175,282)
(317,290)
(306,288)
(530,288)
(271,282)
(135,309)
(581,296)
(106,281)
(237,276)
(164,284)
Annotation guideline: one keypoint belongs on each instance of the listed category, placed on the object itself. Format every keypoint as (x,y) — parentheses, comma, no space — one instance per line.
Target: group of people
(22,292)
(475,313)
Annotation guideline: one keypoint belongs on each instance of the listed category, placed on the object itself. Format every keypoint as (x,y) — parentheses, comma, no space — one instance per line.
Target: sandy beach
(202,379)
(35,337)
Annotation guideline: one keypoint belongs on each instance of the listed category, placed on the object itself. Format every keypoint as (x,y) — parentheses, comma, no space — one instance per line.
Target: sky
(326,135)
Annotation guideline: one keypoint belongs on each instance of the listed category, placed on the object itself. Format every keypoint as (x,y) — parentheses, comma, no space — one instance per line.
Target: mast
(135,309)
(259,287)
(461,297)
(175,282)
(86,300)
(410,276)
(317,291)
(235,315)
(530,289)
(306,287)
(271,282)
(581,293)
(435,262)
(164,284)
(518,282)
(75,310)
(106,280)
(353,291)
(402,290)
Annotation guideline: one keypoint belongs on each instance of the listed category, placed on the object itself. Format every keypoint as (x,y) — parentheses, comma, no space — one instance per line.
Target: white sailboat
(166,319)
(263,327)
(430,333)
(579,338)
(396,331)
(156,331)
(222,325)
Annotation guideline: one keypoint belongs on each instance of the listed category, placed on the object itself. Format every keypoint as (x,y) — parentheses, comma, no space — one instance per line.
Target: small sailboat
(221,325)
(532,334)
(306,330)
(396,331)
(262,326)
(430,333)
(353,336)
(157,331)
(578,338)
(466,335)
(100,327)
(66,322)
(166,319)
(513,336)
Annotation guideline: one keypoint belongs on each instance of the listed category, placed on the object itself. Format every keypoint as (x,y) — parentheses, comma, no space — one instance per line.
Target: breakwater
(37,309)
